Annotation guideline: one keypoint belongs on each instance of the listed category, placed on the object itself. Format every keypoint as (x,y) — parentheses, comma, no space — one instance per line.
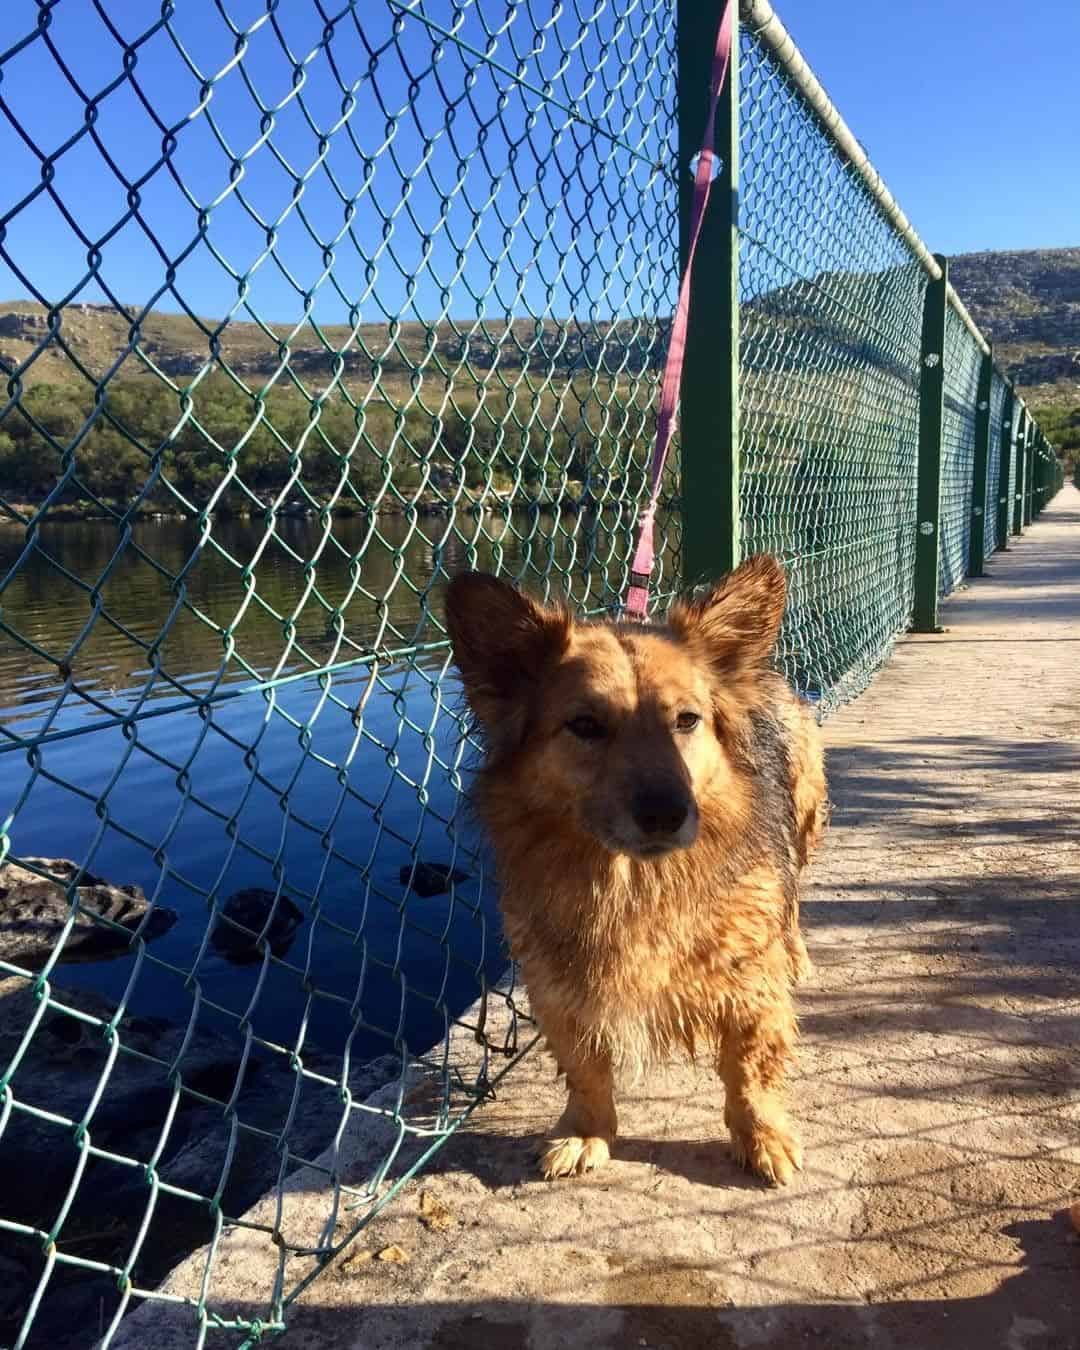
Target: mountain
(101,340)
(1028,304)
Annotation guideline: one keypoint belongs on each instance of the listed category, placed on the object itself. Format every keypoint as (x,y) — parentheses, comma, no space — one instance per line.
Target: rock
(34,910)
(433,1213)
(201,1154)
(393,1255)
(428,879)
(250,909)
(28,326)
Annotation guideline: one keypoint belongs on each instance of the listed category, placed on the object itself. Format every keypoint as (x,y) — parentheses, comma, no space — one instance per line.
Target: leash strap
(641,569)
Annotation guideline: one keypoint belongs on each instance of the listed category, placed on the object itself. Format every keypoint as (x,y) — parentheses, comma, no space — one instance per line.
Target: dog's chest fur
(644,957)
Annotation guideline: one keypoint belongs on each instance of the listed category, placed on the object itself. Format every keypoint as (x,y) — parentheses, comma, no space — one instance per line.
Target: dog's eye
(585,728)
(687,721)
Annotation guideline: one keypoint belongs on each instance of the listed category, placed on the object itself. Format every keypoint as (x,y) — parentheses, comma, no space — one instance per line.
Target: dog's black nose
(661,810)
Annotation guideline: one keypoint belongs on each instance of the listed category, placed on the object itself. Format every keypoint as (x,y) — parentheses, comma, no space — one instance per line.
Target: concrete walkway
(938,1088)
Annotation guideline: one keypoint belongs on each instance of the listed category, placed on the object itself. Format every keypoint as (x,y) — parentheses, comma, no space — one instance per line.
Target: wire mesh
(829,354)
(962,359)
(1015,471)
(998,404)
(359,298)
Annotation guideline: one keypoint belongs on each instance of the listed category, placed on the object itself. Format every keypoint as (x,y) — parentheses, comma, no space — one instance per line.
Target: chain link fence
(359,298)
(1000,429)
(829,400)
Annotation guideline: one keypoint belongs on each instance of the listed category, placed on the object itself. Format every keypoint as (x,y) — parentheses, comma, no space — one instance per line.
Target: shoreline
(17,513)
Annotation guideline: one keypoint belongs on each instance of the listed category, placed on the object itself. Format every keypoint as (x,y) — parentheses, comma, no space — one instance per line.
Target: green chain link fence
(311,308)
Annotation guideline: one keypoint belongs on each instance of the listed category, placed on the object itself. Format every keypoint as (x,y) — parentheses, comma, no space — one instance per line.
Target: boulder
(171,1097)
(243,918)
(34,910)
(428,879)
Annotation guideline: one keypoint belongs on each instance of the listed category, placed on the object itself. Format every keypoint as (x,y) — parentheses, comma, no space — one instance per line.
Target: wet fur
(628,959)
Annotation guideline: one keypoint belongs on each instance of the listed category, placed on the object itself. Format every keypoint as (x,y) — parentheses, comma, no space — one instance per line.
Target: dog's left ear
(738,621)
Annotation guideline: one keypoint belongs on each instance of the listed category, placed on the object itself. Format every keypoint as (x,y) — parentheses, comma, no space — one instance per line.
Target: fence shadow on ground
(889,781)
(1035,1306)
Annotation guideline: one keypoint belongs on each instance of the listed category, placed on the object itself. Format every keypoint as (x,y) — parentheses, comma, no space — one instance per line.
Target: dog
(652,793)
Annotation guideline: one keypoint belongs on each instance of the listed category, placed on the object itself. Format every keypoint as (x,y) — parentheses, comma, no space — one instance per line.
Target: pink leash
(641,569)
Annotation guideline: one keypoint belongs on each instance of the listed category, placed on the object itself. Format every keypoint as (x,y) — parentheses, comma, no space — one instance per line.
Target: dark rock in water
(250,909)
(34,910)
(431,878)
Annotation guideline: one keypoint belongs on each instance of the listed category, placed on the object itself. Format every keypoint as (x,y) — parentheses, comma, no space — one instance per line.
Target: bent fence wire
(310,309)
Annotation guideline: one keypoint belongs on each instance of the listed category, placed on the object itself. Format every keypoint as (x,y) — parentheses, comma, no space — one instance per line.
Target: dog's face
(630,731)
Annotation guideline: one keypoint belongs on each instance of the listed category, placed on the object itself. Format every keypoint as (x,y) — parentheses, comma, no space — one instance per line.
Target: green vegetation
(1061,423)
(308,450)
(239,417)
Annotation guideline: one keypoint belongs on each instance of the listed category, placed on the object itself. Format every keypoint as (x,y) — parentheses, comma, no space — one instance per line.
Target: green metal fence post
(1029,470)
(1005,457)
(1037,476)
(977,539)
(931,418)
(1016,506)
(710,383)
(1040,497)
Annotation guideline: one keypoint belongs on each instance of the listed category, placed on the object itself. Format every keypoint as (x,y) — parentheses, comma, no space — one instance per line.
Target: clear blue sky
(969,108)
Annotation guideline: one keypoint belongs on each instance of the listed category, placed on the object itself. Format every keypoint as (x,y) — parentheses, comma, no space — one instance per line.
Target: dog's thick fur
(649,864)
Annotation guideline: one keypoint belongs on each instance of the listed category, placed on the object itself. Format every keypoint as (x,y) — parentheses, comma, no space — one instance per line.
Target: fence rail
(308,313)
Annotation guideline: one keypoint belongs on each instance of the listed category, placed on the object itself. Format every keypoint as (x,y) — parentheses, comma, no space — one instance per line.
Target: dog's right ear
(502,643)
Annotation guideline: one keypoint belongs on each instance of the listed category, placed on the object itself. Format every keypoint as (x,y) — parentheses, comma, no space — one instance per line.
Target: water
(331,783)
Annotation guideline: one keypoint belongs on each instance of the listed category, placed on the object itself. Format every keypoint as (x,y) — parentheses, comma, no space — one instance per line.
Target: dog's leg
(581,1141)
(756,1050)
(798,957)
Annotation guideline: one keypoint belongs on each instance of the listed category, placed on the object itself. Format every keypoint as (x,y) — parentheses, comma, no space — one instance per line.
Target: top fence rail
(769,31)
(308,309)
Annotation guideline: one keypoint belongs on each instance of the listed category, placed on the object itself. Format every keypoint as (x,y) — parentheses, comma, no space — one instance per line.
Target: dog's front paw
(772,1150)
(572,1156)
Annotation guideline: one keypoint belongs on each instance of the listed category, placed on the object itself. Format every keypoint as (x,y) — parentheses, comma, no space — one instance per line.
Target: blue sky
(968,108)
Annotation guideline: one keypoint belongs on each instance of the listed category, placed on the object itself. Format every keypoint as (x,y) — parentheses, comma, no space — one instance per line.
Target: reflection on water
(172,611)
(158,764)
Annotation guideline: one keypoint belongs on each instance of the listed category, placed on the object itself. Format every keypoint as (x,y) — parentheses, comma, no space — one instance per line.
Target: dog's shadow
(701,1162)
(508,1161)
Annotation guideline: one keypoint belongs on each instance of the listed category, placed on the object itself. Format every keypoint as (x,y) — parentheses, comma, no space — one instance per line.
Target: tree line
(534,442)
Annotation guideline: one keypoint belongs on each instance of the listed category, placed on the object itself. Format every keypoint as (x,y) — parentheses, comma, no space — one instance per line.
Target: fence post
(1016,506)
(977,538)
(1029,470)
(709,437)
(931,417)
(1008,419)
(1040,477)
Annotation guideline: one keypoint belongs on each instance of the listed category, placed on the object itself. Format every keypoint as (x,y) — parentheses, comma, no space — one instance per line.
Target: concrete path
(939,1082)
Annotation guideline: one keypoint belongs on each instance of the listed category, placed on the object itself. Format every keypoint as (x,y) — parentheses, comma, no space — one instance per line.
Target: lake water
(160,762)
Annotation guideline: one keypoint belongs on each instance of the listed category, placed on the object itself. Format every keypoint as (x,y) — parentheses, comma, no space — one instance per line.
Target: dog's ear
(736,624)
(502,641)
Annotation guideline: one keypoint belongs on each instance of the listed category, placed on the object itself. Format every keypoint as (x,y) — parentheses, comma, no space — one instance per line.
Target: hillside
(98,336)
(1028,305)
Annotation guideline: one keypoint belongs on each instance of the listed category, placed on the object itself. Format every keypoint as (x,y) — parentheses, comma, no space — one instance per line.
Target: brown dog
(652,793)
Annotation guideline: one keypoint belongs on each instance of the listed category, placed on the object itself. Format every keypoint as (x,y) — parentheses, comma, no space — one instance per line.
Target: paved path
(939,1083)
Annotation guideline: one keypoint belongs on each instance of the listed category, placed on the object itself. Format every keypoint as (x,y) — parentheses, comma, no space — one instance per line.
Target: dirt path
(939,1083)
